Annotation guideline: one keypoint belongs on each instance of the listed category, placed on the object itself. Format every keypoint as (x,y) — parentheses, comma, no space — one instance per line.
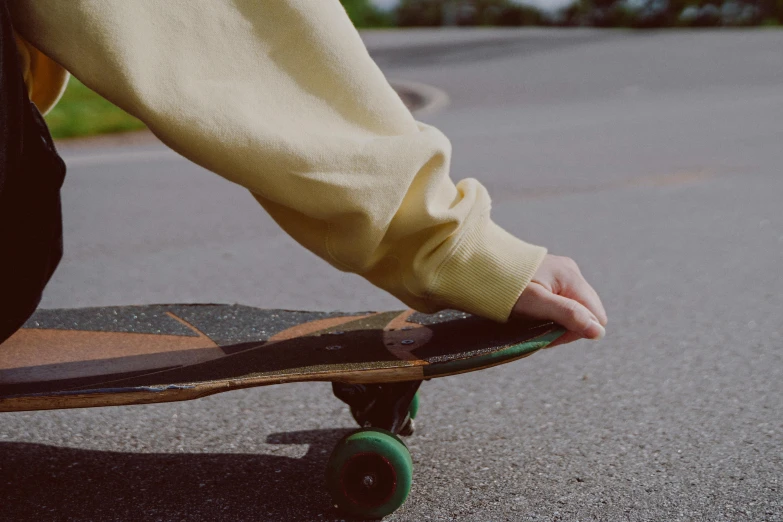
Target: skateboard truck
(389,406)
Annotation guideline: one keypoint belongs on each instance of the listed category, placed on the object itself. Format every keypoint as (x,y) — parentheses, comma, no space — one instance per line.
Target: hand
(558,292)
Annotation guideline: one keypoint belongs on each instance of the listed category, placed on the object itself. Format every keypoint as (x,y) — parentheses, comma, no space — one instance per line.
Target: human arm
(282,98)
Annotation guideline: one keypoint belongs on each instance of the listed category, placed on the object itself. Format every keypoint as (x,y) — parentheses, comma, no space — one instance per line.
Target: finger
(573,315)
(581,291)
(539,303)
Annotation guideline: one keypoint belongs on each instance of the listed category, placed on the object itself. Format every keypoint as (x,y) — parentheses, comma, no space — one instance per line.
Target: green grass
(82,112)
(364,15)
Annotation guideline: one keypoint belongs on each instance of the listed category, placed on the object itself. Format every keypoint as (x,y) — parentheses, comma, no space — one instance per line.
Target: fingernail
(601,331)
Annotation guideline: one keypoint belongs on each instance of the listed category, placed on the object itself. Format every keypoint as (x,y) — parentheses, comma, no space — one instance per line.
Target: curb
(420,98)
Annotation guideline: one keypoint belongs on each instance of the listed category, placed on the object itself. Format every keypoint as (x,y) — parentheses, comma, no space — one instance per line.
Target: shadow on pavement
(40,482)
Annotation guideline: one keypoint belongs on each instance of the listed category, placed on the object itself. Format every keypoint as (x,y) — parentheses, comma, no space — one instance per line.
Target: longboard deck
(73,358)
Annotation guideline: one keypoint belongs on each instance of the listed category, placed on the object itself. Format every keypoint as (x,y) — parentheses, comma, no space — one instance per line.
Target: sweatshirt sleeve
(281,97)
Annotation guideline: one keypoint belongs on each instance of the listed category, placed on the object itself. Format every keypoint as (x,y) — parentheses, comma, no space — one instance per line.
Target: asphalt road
(653,159)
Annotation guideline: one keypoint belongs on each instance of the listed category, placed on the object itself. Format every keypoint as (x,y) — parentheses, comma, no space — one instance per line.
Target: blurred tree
(709,16)
(363,14)
(668,13)
(466,12)
(674,10)
(606,13)
(420,13)
(575,15)
(771,11)
(519,15)
(641,14)
(504,12)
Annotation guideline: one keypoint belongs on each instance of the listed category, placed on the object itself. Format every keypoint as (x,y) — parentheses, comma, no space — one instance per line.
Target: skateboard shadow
(41,482)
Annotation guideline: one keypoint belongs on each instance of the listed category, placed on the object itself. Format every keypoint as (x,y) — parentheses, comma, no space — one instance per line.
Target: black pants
(31,174)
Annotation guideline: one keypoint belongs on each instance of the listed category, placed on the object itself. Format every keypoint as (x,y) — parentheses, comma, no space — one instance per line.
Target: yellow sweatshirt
(281,97)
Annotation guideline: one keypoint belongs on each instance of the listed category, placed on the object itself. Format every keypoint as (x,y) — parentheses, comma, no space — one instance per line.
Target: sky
(541,4)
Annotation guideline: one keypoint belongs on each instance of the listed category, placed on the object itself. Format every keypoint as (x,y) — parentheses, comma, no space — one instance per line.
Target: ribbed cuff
(487,272)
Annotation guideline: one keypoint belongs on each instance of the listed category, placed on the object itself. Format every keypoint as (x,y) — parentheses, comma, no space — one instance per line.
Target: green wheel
(414,409)
(369,473)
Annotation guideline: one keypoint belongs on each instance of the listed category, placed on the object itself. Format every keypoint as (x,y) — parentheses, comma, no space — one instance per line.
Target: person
(31,174)
(282,98)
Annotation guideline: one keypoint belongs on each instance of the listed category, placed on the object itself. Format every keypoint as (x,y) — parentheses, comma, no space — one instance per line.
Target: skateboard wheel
(414,407)
(369,474)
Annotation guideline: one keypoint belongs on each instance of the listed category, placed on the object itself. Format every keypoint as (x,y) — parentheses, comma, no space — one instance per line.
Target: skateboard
(113,356)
